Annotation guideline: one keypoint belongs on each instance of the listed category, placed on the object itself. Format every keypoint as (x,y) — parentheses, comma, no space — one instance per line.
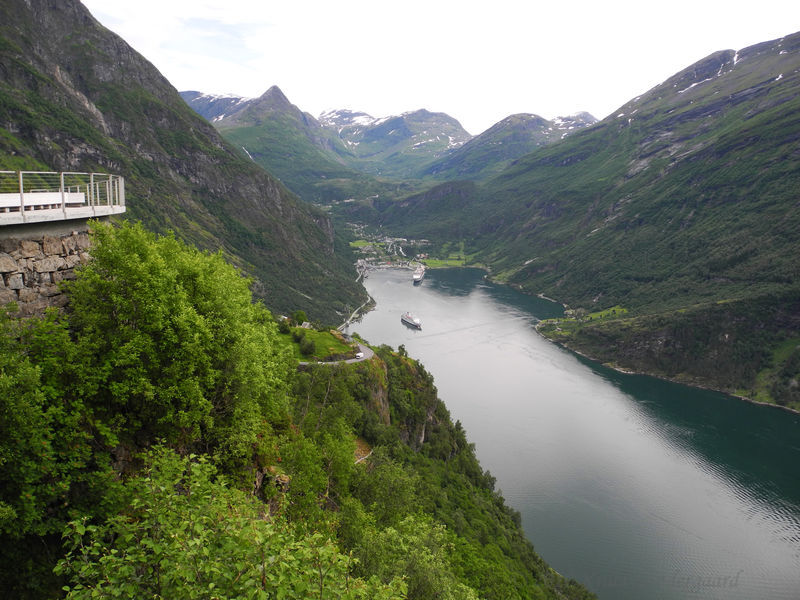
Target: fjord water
(636,487)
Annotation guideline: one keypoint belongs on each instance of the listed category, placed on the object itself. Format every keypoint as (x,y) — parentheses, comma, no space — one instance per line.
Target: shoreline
(624,371)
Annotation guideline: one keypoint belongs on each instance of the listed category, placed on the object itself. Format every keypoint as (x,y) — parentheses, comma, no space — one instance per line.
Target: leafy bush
(188,535)
(307,346)
(168,344)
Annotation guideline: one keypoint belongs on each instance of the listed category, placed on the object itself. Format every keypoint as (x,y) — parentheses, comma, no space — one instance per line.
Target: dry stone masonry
(31,269)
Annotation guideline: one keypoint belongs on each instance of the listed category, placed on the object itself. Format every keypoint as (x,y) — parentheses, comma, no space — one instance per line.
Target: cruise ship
(419,273)
(411,320)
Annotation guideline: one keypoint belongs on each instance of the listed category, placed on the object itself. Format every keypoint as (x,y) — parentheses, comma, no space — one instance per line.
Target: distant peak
(345,117)
(275,94)
(273,100)
(583,116)
(524,117)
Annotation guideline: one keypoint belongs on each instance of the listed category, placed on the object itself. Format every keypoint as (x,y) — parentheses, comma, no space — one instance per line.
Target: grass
(438,263)
(451,254)
(327,344)
(609,313)
(565,327)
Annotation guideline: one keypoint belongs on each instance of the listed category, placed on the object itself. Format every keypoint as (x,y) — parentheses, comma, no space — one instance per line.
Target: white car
(359,355)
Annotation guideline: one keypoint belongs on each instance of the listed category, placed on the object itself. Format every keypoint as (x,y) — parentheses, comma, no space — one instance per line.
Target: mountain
(684,174)
(293,145)
(310,159)
(493,150)
(273,103)
(74,96)
(681,209)
(396,146)
(317,158)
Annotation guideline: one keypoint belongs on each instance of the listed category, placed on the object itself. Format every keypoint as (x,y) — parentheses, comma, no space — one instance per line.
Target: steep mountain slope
(700,177)
(683,208)
(274,103)
(493,150)
(74,96)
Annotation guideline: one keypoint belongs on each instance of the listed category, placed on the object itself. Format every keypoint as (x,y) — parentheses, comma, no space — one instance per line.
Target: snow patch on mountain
(694,85)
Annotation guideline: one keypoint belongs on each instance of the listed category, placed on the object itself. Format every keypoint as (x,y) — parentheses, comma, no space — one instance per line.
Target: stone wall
(31,269)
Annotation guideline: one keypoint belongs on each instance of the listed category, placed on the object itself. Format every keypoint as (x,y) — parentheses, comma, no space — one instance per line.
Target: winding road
(365,350)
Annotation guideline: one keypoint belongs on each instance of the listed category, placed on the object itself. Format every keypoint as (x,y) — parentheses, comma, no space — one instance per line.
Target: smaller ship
(419,273)
(411,320)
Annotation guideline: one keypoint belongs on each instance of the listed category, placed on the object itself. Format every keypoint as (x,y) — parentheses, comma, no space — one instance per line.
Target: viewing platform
(51,201)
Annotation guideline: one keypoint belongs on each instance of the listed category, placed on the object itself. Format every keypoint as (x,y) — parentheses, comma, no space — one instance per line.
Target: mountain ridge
(415,144)
(507,140)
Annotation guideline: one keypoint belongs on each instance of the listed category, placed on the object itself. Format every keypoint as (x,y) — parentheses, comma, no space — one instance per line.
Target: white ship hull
(411,320)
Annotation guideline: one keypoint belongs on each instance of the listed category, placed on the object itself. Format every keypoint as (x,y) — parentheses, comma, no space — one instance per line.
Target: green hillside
(75,97)
(682,208)
(293,146)
(401,146)
(492,151)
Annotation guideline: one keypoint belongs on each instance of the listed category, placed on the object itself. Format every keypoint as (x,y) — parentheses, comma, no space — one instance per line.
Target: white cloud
(477,61)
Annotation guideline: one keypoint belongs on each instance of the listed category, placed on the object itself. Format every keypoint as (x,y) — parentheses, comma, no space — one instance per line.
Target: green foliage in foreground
(189,535)
(156,440)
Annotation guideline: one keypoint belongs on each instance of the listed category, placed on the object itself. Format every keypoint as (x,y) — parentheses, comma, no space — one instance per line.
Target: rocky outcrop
(379,395)
(32,269)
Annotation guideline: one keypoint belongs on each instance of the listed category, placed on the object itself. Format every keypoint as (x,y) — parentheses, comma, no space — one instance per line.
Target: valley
(189,423)
(680,207)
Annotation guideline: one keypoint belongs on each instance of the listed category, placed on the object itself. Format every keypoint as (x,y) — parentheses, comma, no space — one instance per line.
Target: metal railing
(25,194)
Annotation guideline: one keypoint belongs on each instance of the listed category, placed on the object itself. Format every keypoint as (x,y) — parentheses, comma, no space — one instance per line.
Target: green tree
(418,549)
(307,346)
(188,535)
(26,454)
(302,460)
(51,467)
(385,488)
(170,345)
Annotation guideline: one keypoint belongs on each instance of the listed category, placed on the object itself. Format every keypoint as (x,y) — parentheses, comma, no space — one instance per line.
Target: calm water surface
(639,488)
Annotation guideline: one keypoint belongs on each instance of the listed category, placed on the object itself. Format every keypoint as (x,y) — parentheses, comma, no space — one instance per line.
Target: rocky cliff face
(74,96)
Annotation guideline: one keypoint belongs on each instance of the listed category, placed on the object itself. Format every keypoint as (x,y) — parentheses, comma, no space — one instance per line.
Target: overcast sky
(477,61)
